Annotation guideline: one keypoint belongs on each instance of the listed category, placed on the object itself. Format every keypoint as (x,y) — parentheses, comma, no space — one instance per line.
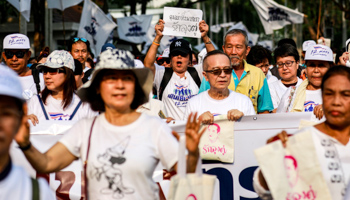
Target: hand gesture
(207,118)
(318,111)
(344,58)
(193,135)
(283,136)
(22,136)
(203,28)
(159,27)
(234,115)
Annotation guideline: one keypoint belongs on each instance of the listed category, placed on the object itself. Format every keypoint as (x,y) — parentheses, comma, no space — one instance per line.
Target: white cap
(10,84)
(59,58)
(165,53)
(307,44)
(319,52)
(16,41)
(138,63)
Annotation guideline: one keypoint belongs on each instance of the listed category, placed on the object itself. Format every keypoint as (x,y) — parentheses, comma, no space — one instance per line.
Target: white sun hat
(117,59)
(10,84)
(307,44)
(59,58)
(319,52)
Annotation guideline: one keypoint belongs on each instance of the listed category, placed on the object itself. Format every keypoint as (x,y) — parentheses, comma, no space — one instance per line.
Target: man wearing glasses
(16,55)
(219,99)
(287,61)
(246,79)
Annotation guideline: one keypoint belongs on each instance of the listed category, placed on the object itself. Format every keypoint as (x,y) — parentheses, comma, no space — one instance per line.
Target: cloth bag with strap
(217,142)
(196,185)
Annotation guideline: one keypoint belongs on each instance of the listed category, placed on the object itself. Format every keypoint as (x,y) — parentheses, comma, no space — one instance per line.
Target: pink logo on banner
(191,197)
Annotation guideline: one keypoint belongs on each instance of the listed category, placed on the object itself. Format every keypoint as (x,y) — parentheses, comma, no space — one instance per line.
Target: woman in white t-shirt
(121,147)
(58,100)
(307,98)
(330,137)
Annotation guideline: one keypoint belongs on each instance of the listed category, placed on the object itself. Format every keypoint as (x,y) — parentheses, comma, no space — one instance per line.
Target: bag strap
(86,159)
(35,189)
(75,111)
(35,74)
(168,73)
(43,107)
(181,163)
(194,74)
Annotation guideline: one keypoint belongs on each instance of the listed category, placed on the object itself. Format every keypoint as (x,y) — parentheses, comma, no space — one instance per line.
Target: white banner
(62,4)
(95,26)
(182,22)
(134,28)
(274,16)
(23,7)
(235,179)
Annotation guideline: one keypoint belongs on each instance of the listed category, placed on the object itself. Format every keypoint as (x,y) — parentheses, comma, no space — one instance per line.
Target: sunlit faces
(10,119)
(336,101)
(54,78)
(235,48)
(179,62)
(264,66)
(287,68)
(117,89)
(16,59)
(315,71)
(217,63)
(80,52)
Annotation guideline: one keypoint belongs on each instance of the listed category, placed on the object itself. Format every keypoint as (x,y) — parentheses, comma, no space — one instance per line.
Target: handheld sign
(182,22)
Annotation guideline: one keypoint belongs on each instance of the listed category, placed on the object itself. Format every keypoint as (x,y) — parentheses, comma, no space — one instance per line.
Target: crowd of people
(119,103)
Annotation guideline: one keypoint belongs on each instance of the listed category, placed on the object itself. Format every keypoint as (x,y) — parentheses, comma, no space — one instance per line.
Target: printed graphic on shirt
(181,95)
(107,169)
(309,106)
(59,116)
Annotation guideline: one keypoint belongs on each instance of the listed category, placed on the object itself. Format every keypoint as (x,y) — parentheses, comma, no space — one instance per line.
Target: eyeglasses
(76,39)
(287,64)
(160,61)
(52,71)
(217,72)
(19,54)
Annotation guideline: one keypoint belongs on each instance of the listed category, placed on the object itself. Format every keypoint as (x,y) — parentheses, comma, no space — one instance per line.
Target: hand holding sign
(182,22)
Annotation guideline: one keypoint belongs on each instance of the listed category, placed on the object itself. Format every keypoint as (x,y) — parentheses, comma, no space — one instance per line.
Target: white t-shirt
(29,87)
(324,146)
(54,109)
(152,107)
(18,186)
(278,90)
(122,159)
(178,91)
(203,103)
(313,98)
(270,78)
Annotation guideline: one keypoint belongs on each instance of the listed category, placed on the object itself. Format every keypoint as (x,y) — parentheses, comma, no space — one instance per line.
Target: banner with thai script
(182,22)
(217,141)
(293,172)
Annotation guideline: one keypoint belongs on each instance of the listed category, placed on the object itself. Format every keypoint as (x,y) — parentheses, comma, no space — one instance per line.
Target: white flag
(274,16)
(22,6)
(95,26)
(134,28)
(62,4)
(252,37)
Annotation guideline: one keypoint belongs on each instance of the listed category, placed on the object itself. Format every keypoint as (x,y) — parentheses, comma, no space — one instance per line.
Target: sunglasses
(19,54)
(76,39)
(52,71)
(162,60)
(217,72)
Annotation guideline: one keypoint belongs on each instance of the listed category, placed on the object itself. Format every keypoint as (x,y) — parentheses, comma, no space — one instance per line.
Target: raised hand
(193,134)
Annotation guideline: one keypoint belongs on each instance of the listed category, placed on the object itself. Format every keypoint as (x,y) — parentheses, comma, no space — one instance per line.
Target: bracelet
(26,147)
(156,43)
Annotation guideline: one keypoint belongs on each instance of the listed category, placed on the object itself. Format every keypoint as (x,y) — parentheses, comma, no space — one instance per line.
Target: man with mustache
(246,79)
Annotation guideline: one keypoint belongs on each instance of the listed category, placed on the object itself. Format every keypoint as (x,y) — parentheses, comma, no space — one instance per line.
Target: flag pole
(319,20)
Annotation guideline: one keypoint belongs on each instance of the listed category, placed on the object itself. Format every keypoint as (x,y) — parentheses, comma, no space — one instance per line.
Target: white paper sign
(182,22)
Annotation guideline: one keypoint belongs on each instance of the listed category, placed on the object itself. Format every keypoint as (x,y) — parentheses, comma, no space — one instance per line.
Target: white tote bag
(196,186)
(217,142)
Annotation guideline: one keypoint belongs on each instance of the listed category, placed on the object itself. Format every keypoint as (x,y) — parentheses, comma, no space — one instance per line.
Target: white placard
(182,22)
